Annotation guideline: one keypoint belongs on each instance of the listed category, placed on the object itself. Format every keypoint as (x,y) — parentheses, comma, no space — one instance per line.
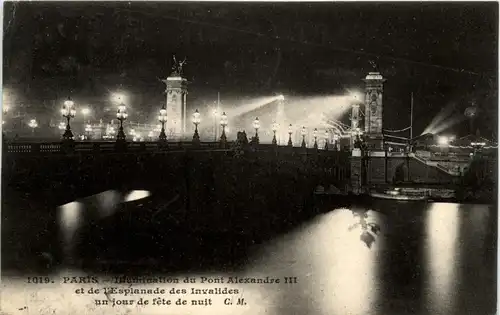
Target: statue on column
(177,67)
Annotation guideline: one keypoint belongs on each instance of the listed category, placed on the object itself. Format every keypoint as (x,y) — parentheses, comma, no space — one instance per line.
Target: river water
(420,258)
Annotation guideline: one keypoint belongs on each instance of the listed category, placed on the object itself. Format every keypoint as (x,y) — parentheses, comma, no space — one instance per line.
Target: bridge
(85,168)
(75,169)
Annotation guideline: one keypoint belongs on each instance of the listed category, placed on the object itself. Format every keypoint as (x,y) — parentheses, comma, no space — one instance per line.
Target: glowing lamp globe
(68,103)
(223,119)
(256,123)
(303,131)
(275,127)
(196,117)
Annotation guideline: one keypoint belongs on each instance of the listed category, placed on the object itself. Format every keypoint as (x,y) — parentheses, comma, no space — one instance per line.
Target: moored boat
(397,195)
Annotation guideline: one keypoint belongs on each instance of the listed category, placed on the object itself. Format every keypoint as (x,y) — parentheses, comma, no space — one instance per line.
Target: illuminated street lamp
(215,113)
(62,125)
(315,135)
(223,123)
(275,128)
(303,132)
(121,115)
(33,124)
(327,138)
(68,111)
(196,122)
(290,131)
(151,135)
(162,118)
(256,126)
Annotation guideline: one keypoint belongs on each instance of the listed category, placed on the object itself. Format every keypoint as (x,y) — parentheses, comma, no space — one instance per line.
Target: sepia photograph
(249,158)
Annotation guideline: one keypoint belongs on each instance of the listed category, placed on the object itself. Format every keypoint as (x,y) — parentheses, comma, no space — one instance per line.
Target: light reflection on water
(442,256)
(73,215)
(337,273)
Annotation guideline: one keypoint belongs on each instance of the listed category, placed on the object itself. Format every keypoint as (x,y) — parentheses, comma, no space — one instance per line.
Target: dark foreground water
(427,258)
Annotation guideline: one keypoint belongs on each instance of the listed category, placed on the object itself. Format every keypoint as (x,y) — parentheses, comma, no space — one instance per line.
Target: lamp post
(196,122)
(290,131)
(215,113)
(162,118)
(256,126)
(327,137)
(223,123)
(303,132)
(33,124)
(275,128)
(68,111)
(315,134)
(121,115)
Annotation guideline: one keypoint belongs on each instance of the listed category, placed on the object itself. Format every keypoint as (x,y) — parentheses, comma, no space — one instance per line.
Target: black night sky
(445,53)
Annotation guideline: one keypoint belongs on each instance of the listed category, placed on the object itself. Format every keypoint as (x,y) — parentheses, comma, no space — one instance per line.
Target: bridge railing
(49,148)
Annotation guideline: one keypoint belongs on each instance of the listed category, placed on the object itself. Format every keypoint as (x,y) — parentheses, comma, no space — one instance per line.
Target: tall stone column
(377,164)
(176,99)
(355,123)
(357,173)
(374,110)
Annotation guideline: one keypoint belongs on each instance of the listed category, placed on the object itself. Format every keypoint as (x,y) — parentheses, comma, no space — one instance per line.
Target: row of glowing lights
(444,141)
(68,111)
(110,130)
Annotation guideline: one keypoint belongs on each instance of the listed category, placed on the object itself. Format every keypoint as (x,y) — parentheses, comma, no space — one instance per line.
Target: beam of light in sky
(298,111)
(356,94)
(447,124)
(235,111)
(443,221)
(136,195)
(311,111)
(443,114)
